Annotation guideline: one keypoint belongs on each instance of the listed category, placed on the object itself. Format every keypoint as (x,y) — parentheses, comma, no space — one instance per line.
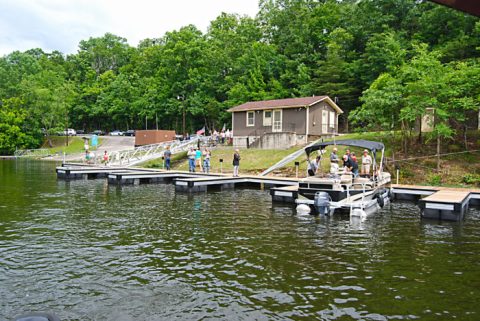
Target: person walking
(191,160)
(236,162)
(105,158)
(206,161)
(167,154)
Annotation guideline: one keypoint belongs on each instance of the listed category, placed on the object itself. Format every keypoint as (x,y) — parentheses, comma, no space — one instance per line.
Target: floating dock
(442,203)
(434,202)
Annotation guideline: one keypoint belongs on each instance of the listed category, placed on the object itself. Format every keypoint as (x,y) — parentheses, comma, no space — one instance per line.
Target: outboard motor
(322,203)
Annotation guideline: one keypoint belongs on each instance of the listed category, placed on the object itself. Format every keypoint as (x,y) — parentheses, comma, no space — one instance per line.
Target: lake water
(89,251)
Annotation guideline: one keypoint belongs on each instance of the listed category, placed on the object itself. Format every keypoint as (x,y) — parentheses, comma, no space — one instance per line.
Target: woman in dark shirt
(236,162)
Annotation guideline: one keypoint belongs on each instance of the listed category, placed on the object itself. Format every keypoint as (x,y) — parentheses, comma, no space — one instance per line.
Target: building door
(277,121)
(324,122)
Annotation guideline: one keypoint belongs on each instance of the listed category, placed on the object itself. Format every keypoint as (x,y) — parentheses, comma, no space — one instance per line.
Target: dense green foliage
(385,61)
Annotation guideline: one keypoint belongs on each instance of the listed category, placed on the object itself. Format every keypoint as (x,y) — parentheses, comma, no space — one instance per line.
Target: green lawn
(255,161)
(75,145)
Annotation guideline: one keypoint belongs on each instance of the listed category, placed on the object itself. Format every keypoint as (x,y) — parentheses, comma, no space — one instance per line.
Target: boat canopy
(368,144)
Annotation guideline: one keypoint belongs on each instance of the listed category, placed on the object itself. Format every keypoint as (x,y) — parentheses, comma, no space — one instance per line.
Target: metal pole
(398,173)
(183,121)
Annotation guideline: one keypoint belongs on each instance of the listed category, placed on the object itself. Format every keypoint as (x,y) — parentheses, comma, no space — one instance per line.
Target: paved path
(109,143)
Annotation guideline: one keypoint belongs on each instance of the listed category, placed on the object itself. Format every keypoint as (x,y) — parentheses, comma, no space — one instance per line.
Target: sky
(62,24)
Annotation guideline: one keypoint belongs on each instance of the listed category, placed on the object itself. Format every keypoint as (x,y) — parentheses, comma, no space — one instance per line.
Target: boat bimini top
(368,144)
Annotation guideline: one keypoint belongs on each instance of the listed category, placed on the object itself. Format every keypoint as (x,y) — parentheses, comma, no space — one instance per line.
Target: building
(148,137)
(283,123)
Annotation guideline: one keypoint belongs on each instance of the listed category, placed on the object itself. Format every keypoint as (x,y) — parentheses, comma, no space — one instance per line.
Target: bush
(434,179)
(471,179)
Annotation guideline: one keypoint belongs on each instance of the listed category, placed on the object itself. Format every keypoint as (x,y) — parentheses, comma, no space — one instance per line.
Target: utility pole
(182,99)
(66,128)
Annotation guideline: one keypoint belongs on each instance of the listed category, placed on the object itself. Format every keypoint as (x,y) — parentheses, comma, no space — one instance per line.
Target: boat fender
(390,195)
(303,209)
(37,317)
(380,200)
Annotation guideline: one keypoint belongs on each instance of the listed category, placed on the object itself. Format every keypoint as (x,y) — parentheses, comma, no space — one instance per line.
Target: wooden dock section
(154,176)
(442,203)
(201,184)
(435,202)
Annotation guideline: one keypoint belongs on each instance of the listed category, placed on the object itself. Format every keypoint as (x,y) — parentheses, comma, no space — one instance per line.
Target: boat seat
(358,181)
(346,179)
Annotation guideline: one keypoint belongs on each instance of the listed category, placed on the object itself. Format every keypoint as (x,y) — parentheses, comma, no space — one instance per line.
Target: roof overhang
(327,99)
(469,6)
(331,103)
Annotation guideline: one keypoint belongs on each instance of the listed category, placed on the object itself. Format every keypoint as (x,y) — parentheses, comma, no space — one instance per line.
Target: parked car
(98,132)
(80,132)
(129,132)
(70,132)
(116,133)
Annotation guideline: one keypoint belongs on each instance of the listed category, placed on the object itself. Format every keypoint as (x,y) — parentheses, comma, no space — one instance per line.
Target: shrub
(471,179)
(434,179)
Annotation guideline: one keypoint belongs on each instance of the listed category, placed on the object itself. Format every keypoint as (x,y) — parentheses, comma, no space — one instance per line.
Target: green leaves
(386,61)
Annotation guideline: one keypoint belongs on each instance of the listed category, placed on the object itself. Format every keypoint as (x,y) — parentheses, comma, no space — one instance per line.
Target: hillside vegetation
(385,61)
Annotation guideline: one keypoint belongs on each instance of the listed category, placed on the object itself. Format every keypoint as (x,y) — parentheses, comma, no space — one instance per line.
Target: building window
(250,118)
(332,119)
(267,118)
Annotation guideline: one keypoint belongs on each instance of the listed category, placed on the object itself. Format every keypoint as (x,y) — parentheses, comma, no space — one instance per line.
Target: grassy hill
(417,165)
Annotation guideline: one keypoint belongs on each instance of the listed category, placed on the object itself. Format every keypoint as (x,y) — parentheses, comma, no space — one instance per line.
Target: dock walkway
(435,202)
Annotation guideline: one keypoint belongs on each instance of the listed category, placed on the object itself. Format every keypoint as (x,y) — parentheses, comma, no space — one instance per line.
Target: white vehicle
(70,132)
(116,133)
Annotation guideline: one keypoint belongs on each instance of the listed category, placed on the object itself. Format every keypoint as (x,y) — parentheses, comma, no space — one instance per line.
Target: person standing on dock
(206,161)
(198,158)
(105,158)
(191,160)
(167,154)
(236,162)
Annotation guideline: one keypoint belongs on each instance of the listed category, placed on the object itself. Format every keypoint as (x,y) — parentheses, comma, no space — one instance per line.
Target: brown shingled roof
(283,103)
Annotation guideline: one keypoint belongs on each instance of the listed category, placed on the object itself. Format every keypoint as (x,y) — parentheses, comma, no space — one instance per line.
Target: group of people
(349,163)
(90,157)
(201,159)
(195,156)
(223,137)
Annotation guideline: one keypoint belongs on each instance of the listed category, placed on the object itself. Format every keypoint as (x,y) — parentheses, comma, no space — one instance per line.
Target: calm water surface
(89,251)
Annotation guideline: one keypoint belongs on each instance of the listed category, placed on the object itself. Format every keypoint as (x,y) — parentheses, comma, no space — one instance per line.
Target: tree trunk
(438,154)
(465,141)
